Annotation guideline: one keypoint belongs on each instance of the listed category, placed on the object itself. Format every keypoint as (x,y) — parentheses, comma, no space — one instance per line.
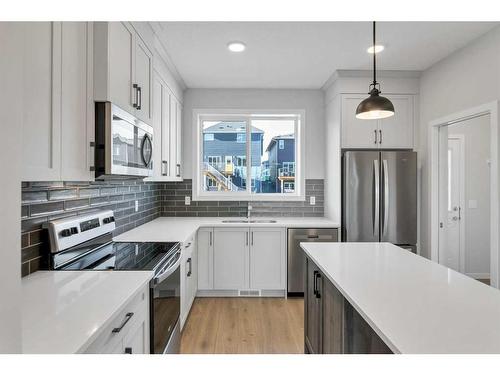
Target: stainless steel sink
(249,221)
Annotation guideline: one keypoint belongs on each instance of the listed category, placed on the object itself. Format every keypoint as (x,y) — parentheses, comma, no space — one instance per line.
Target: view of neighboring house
(224,156)
(281,165)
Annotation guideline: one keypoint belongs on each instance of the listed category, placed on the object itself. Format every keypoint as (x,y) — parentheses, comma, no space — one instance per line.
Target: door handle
(252,239)
(375,133)
(178,166)
(386,197)
(380,140)
(247,238)
(210,239)
(128,316)
(136,100)
(376,197)
(314,282)
(318,277)
(189,261)
(313,236)
(165,168)
(139,97)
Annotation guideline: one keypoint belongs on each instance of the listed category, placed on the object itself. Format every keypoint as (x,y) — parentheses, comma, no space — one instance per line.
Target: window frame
(237,115)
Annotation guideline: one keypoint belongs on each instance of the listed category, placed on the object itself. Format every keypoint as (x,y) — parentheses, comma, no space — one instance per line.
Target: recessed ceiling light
(377,48)
(236,46)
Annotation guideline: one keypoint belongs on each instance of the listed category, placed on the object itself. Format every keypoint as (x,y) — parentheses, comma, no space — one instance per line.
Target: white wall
(309,100)
(466,78)
(10,187)
(476,134)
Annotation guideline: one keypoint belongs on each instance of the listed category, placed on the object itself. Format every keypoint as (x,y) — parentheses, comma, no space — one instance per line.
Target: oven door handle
(169,271)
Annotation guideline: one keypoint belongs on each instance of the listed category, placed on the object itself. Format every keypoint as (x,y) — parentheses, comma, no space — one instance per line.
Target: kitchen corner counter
(179,229)
(64,311)
(414,305)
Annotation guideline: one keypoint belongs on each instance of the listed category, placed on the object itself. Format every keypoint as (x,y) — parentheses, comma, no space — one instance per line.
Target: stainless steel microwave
(123,143)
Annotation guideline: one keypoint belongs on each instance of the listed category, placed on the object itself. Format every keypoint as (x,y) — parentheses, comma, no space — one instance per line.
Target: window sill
(249,198)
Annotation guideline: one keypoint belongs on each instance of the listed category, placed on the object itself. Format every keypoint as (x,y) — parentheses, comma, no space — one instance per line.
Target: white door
(143,78)
(121,64)
(357,133)
(231,258)
(267,258)
(77,120)
(205,259)
(397,131)
(41,102)
(454,247)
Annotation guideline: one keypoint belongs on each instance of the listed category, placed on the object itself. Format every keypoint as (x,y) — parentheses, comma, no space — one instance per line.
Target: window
(245,156)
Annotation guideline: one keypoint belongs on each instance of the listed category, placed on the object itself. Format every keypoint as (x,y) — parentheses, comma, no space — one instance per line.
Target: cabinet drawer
(109,341)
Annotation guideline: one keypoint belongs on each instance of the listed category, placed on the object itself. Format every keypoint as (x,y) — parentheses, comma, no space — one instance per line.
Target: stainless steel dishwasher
(296,257)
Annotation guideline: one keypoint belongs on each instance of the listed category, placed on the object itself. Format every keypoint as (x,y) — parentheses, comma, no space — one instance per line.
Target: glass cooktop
(117,256)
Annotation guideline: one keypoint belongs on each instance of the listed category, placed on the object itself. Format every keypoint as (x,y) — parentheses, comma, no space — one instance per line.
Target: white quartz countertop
(415,305)
(179,229)
(64,311)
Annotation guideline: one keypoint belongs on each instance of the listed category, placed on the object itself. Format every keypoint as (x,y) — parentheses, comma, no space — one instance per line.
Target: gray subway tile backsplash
(44,201)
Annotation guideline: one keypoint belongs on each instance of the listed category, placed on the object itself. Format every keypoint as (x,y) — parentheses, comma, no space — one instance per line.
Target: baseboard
(478,275)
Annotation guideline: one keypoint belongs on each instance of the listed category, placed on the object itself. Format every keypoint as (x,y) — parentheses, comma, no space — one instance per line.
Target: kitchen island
(379,298)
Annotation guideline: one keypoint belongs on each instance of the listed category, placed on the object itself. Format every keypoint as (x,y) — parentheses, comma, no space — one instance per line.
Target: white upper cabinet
(58,106)
(393,132)
(123,69)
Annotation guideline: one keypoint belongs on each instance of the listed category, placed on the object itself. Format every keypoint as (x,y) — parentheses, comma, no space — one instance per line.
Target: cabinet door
(166,130)
(41,101)
(157,130)
(267,258)
(205,259)
(357,133)
(121,64)
(312,305)
(143,78)
(397,131)
(77,130)
(137,339)
(193,284)
(231,258)
(185,281)
(332,303)
(178,140)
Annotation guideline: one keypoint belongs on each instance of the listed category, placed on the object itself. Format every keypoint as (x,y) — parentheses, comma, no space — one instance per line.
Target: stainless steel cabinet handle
(128,316)
(386,197)
(139,97)
(92,157)
(375,133)
(210,240)
(314,282)
(178,170)
(136,100)
(246,238)
(376,197)
(252,238)
(380,140)
(164,171)
(190,269)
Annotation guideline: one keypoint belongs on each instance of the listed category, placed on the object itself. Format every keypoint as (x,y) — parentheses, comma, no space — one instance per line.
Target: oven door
(165,307)
(131,145)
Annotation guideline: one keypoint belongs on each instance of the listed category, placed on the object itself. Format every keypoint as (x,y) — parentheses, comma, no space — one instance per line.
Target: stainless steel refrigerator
(379,197)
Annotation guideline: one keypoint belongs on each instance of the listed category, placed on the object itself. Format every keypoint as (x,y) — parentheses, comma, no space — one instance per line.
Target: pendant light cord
(374,59)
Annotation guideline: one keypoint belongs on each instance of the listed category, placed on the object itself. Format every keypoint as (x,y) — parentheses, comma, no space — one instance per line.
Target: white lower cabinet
(231,258)
(267,258)
(189,277)
(241,261)
(128,332)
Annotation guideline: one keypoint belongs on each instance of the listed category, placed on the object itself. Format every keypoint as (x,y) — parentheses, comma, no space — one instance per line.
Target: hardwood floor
(244,326)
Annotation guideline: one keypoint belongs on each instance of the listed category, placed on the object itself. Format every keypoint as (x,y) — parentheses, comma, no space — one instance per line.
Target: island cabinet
(331,324)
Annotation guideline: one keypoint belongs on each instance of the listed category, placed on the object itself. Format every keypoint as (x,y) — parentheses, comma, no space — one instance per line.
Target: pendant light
(375,106)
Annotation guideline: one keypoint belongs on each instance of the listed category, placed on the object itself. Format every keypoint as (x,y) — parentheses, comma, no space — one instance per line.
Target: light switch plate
(187,200)
(312,200)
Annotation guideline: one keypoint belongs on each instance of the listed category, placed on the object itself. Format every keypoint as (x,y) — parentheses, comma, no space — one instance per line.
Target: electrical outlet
(187,200)
(136,206)
(312,200)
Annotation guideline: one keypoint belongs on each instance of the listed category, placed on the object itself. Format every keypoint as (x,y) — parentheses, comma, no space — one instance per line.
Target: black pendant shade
(375,106)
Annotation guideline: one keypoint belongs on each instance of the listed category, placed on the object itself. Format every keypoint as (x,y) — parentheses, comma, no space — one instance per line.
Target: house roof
(230,127)
(277,138)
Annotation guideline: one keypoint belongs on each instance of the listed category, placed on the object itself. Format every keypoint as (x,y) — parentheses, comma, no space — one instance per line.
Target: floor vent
(249,293)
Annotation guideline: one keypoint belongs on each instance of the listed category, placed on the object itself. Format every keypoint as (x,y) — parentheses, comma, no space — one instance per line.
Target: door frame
(461,183)
(491,109)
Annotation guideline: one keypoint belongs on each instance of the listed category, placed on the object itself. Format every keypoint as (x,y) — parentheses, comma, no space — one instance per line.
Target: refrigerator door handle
(376,197)
(385,172)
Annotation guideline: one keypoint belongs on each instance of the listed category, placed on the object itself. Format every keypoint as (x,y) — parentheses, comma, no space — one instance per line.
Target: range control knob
(74,230)
(108,220)
(66,233)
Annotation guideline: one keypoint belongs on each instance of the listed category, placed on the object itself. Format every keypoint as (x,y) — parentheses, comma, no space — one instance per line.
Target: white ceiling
(304,54)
